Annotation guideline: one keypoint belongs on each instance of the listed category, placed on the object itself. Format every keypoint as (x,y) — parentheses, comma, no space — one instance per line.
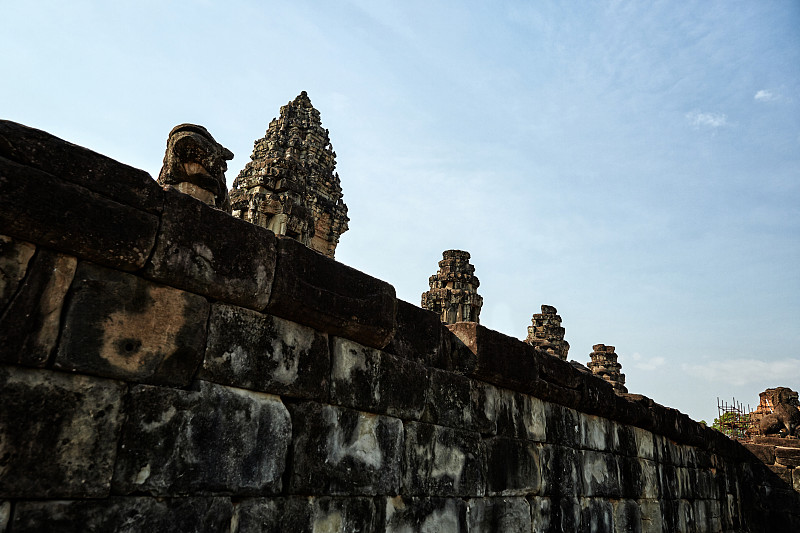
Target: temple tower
(604,364)
(453,293)
(290,186)
(547,333)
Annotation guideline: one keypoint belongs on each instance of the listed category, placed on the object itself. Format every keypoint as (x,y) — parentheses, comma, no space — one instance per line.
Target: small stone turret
(290,186)
(195,164)
(547,333)
(453,293)
(604,364)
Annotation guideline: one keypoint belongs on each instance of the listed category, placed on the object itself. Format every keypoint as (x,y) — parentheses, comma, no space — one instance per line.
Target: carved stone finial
(290,185)
(195,164)
(604,364)
(453,293)
(546,333)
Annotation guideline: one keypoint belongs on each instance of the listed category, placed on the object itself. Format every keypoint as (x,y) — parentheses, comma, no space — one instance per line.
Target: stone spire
(604,364)
(547,333)
(454,290)
(290,185)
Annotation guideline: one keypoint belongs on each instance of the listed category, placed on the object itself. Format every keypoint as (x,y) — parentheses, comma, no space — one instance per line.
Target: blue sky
(635,164)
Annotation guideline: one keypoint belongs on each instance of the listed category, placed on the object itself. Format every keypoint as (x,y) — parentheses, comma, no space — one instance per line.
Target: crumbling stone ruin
(195,164)
(604,364)
(453,293)
(547,333)
(782,415)
(165,366)
(290,185)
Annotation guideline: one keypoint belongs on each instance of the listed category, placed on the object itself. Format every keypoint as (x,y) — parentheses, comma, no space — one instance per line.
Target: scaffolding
(733,420)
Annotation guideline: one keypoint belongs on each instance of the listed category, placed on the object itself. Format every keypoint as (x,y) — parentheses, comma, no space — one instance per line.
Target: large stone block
(513,414)
(561,471)
(490,515)
(317,291)
(423,515)
(38,149)
(513,467)
(787,456)
(215,439)
(597,515)
(499,359)
(627,516)
(370,380)
(652,516)
(440,461)
(121,326)
(255,351)
(563,425)
(600,474)
(123,515)
(5,515)
(418,336)
(14,258)
(42,209)
(58,433)
(595,433)
(30,324)
(338,451)
(630,476)
(541,515)
(456,401)
(206,251)
(305,514)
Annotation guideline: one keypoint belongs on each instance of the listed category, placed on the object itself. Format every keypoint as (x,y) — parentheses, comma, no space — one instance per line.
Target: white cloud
(765,96)
(707,120)
(744,371)
(639,362)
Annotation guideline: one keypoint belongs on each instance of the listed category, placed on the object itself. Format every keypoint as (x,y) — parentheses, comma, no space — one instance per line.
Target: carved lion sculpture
(785,415)
(195,164)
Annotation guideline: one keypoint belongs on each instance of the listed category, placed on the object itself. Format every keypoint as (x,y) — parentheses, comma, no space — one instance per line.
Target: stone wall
(167,367)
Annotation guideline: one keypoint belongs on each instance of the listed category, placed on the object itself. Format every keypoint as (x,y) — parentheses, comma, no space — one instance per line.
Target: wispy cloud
(640,362)
(743,371)
(766,96)
(707,120)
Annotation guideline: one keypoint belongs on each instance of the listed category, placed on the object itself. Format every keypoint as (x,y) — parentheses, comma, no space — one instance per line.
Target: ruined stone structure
(165,366)
(453,293)
(290,185)
(604,364)
(778,412)
(547,333)
(195,164)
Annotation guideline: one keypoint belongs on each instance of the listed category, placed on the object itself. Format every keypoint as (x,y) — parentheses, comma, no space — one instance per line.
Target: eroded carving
(785,416)
(195,164)
(453,293)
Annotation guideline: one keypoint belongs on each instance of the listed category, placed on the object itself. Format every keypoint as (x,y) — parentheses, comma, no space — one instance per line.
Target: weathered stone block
(597,515)
(630,476)
(305,514)
(499,359)
(600,474)
(645,444)
(556,371)
(455,401)
(781,472)
(796,479)
(490,515)
(418,336)
(14,258)
(29,327)
(789,457)
(542,512)
(623,440)
(222,257)
(441,461)
(561,471)
(597,397)
(255,351)
(423,515)
(595,433)
(38,149)
(513,467)
(37,207)
(370,380)
(627,516)
(5,515)
(123,515)
(121,326)
(563,425)
(566,515)
(776,441)
(215,439)
(341,451)
(651,513)
(513,414)
(58,433)
(317,291)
